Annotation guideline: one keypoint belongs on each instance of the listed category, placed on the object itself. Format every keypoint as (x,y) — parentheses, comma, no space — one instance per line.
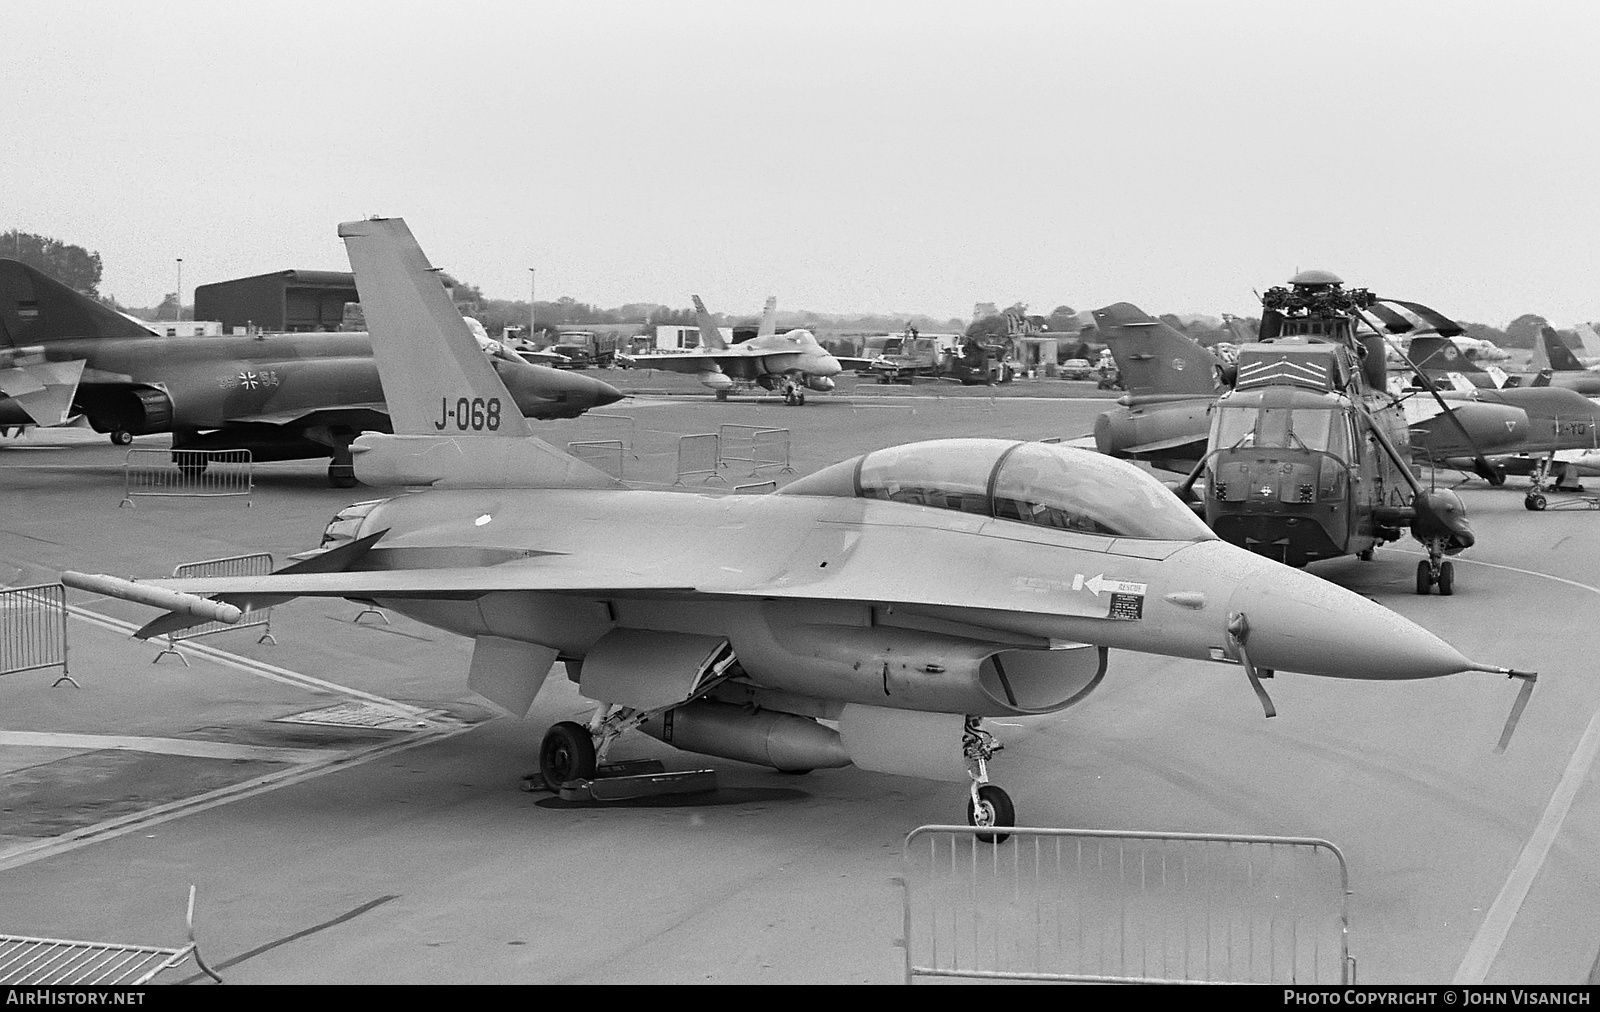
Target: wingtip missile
(155,597)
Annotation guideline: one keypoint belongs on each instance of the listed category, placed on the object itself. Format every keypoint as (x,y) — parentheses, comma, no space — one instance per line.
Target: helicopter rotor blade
(1480,464)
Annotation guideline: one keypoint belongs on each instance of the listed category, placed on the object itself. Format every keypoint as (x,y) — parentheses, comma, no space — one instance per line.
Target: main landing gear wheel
(1447,578)
(121,437)
(1534,501)
(722,395)
(990,807)
(1424,577)
(566,754)
(1365,555)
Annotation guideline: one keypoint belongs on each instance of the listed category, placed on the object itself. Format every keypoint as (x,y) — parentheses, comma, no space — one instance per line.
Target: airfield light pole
(533,293)
(178,309)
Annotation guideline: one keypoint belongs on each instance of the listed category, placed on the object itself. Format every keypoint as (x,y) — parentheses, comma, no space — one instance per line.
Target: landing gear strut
(988,806)
(341,470)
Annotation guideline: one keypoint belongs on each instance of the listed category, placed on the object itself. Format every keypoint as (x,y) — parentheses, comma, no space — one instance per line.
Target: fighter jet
(792,362)
(1443,362)
(784,630)
(281,396)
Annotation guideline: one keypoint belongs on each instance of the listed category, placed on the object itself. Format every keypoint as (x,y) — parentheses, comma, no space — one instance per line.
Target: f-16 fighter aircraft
(280,396)
(784,630)
(792,362)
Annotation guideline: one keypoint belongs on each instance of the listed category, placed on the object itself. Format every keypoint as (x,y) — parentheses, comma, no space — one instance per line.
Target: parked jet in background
(792,362)
(280,396)
(736,626)
(1443,362)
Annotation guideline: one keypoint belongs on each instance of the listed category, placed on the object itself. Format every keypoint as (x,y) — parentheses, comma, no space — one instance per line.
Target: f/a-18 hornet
(873,613)
(280,396)
(791,363)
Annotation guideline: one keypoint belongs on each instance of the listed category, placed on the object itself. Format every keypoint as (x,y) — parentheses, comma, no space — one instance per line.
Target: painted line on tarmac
(1496,925)
(1491,934)
(15,857)
(252,666)
(165,746)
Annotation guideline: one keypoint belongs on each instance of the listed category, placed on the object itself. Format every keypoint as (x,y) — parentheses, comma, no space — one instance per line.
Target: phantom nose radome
(1299,622)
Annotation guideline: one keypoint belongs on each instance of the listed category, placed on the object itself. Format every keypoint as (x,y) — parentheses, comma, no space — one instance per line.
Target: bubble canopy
(1041,484)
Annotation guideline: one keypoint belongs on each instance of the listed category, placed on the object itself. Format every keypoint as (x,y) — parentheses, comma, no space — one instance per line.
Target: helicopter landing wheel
(1534,501)
(991,807)
(1447,578)
(1424,577)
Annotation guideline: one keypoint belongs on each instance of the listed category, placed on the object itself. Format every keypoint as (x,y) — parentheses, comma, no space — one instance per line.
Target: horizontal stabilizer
(44,390)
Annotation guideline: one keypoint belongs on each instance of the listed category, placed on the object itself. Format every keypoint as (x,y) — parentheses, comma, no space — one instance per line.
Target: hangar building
(283,301)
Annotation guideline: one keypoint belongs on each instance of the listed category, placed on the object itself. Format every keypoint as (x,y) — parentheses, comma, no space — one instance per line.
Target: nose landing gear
(1436,570)
(988,806)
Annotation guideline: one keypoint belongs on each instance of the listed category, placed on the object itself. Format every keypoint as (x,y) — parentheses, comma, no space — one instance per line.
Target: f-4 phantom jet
(786,630)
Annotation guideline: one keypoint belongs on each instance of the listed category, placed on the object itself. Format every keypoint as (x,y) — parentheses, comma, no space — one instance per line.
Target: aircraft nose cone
(1299,622)
(607,394)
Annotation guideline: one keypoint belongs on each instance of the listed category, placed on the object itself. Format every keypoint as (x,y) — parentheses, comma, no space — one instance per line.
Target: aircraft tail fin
(37,309)
(769,318)
(710,334)
(1558,356)
(454,421)
(1153,358)
(1436,355)
(1590,340)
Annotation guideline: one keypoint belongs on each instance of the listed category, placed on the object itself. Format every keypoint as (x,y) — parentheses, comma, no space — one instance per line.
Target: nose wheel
(988,807)
(1436,571)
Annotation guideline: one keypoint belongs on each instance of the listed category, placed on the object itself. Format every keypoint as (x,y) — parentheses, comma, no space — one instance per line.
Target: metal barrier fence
(26,961)
(1100,906)
(699,454)
(33,630)
(187,473)
(625,423)
(605,454)
(257,564)
(756,445)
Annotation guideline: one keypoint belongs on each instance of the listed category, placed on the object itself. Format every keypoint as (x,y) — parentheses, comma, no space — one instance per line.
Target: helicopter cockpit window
(1320,429)
(949,474)
(1077,490)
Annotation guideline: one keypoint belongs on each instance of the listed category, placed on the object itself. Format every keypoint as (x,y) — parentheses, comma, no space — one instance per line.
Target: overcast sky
(844,156)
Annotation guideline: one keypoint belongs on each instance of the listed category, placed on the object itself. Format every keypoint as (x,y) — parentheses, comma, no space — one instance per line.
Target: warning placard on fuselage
(1126,606)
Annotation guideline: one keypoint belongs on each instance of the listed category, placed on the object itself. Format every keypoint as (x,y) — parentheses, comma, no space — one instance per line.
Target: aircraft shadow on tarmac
(719,798)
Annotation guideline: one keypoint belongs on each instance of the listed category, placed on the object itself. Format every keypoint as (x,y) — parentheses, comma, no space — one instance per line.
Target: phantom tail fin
(454,421)
(710,334)
(36,309)
(769,318)
(1154,359)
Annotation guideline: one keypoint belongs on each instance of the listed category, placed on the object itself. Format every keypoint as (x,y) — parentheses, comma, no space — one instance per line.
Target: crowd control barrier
(258,564)
(623,426)
(60,962)
(605,454)
(755,445)
(199,474)
(1115,907)
(698,456)
(33,630)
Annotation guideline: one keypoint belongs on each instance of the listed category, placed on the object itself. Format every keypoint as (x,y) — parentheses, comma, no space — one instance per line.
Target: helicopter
(1306,458)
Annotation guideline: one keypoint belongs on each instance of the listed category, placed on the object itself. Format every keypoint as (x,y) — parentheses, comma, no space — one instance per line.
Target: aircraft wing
(849,363)
(1161,445)
(334,413)
(696,361)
